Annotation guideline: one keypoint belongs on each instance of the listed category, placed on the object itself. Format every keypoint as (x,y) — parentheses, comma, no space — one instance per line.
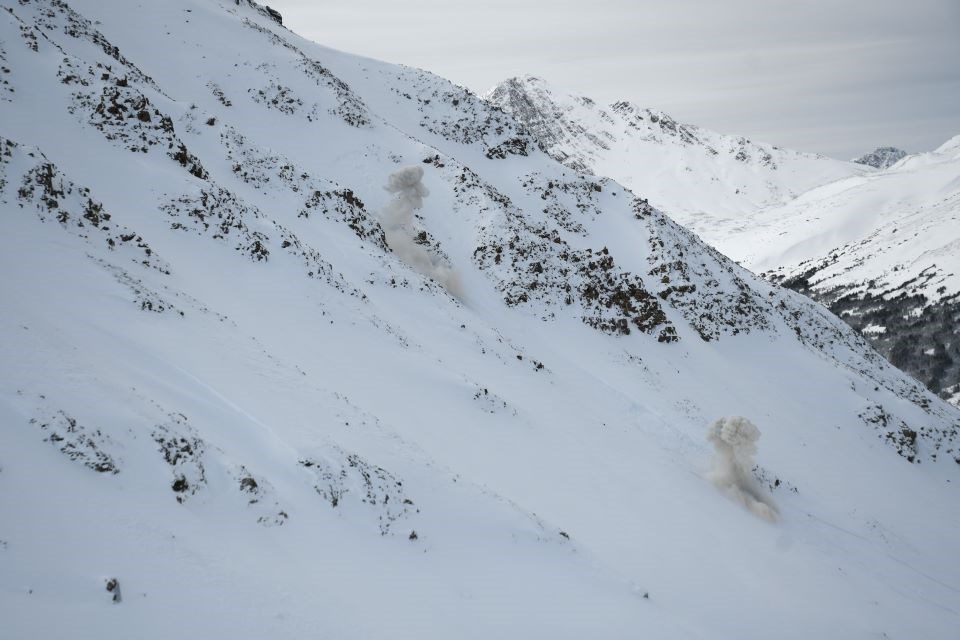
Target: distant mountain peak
(696,175)
(882,157)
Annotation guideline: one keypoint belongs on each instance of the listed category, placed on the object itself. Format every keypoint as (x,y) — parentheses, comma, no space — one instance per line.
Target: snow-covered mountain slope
(883,252)
(888,238)
(703,179)
(882,157)
(226,400)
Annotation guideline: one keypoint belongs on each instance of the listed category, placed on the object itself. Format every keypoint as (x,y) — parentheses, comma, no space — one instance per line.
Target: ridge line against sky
(838,77)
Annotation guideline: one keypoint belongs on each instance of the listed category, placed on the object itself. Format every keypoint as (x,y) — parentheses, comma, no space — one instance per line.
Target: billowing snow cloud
(397,220)
(735,442)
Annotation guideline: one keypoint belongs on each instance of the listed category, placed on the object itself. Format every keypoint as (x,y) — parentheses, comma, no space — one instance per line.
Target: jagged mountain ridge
(703,179)
(245,409)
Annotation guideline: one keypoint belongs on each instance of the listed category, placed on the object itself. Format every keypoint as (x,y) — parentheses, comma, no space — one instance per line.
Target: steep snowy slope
(888,238)
(704,180)
(883,252)
(226,399)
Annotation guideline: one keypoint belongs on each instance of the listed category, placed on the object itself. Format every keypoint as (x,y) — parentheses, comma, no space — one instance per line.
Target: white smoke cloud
(735,442)
(397,221)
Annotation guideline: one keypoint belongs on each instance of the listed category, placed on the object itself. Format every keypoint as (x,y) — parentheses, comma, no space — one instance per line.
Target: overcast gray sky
(838,77)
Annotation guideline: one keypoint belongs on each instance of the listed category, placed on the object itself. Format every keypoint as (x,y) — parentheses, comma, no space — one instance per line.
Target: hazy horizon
(834,78)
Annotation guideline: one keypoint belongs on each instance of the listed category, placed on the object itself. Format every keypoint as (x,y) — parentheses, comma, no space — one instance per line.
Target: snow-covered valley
(881,251)
(226,398)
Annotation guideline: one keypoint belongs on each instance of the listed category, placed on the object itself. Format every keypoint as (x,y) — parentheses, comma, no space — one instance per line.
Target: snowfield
(229,409)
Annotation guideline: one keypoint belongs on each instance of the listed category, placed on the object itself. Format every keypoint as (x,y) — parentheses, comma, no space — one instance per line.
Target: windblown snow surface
(230,410)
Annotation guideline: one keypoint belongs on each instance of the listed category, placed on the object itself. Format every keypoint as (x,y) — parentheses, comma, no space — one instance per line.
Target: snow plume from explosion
(397,220)
(735,443)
